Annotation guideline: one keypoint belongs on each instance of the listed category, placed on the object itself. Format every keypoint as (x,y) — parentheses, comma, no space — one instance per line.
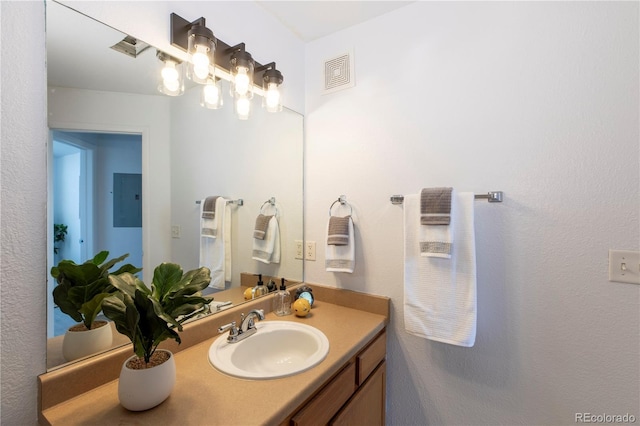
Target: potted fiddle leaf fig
(149,316)
(79,293)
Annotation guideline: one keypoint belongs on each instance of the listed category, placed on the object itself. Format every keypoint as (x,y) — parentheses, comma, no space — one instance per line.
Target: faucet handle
(231,326)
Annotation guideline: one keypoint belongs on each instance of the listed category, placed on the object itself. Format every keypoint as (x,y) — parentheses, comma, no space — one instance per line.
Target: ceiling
(310,20)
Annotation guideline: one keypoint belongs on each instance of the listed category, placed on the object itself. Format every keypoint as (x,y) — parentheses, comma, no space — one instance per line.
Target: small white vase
(140,390)
(78,344)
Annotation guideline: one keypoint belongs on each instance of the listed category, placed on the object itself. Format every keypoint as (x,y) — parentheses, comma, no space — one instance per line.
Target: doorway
(89,200)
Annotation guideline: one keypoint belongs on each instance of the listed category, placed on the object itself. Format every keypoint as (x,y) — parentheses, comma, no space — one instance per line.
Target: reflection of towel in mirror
(215,253)
(208,213)
(268,250)
(341,258)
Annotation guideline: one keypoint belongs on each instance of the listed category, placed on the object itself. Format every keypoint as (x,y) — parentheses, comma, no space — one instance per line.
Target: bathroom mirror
(186,153)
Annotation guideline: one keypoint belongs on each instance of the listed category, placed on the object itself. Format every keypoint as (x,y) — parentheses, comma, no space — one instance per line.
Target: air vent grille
(339,73)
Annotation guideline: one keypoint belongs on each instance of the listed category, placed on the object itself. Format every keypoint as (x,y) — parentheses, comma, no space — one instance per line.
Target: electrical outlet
(624,266)
(299,249)
(175,231)
(310,250)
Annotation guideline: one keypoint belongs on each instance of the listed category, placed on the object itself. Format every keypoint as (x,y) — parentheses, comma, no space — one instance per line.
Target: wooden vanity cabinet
(355,396)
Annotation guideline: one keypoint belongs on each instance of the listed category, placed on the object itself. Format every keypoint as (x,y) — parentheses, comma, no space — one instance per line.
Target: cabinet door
(367,407)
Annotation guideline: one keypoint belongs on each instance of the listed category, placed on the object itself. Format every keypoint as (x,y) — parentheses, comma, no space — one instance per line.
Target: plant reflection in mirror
(82,288)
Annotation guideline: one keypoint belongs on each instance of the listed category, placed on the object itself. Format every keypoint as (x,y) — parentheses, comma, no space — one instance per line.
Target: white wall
(66,204)
(118,153)
(539,100)
(23,201)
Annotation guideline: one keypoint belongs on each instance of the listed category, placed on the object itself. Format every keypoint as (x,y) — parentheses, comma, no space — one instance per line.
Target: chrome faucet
(247,326)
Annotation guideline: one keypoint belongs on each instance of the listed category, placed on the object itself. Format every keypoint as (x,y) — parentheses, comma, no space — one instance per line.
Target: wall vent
(339,73)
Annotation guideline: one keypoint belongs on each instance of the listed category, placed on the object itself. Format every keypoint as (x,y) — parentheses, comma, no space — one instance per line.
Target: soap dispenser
(282,301)
(259,289)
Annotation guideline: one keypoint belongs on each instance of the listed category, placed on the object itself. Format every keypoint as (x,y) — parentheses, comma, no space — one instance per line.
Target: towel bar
(491,196)
(239,201)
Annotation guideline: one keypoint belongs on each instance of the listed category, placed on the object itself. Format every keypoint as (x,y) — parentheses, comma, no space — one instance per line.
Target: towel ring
(272,202)
(343,201)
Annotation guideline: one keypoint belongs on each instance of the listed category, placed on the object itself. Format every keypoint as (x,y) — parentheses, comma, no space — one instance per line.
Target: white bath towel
(268,250)
(215,253)
(440,293)
(341,258)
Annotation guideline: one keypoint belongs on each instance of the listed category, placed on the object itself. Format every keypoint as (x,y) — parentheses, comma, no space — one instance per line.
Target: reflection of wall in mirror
(215,153)
(149,115)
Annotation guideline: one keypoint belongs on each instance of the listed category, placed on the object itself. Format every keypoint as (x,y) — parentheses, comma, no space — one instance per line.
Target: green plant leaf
(120,309)
(165,277)
(99,258)
(92,308)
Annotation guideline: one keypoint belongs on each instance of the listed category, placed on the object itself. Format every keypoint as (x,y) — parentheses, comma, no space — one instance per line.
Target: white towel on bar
(215,253)
(440,293)
(341,258)
(268,250)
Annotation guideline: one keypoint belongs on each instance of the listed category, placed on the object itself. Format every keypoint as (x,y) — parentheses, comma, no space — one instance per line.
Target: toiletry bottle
(282,301)
(259,289)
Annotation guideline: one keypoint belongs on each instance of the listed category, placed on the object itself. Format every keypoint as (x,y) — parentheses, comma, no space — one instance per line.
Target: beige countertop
(203,395)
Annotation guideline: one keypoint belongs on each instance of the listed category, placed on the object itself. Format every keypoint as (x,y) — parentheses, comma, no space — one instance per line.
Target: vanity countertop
(203,395)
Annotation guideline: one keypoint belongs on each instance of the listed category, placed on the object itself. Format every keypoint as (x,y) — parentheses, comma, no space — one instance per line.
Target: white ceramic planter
(140,390)
(78,344)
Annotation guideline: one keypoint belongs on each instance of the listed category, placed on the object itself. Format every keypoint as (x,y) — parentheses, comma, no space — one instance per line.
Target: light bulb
(242,81)
(272,97)
(170,76)
(211,94)
(200,61)
(243,106)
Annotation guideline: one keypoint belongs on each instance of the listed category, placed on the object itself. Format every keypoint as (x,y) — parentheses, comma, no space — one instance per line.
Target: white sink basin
(277,349)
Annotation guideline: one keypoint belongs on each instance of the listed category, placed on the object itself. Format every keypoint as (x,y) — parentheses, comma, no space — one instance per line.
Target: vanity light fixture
(200,44)
(171,75)
(241,69)
(271,81)
(231,63)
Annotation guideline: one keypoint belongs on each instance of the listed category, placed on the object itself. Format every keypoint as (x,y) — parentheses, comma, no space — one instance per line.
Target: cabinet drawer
(370,357)
(330,399)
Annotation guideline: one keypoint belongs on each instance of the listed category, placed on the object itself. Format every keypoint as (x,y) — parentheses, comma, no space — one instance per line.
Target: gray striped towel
(338,234)
(435,206)
(209,207)
(262,223)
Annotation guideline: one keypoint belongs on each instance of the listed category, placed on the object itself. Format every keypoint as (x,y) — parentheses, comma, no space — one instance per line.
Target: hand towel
(215,253)
(338,234)
(207,214)
(268,250)
(341,258)
(440,294)
(260,228)
(436,236)
(435,206)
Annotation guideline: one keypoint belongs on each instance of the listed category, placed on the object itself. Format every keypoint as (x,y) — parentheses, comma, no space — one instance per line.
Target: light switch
(624,266)
(175,231)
